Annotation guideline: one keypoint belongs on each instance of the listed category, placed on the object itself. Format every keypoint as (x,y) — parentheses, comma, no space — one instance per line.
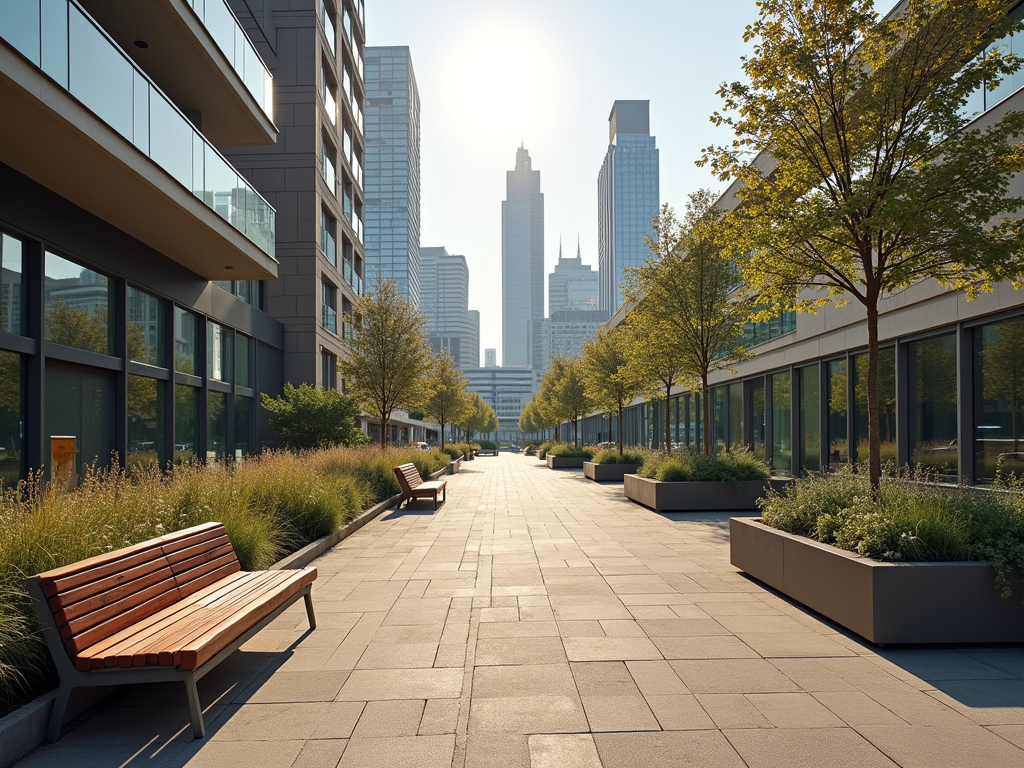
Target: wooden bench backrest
(96,598)
(408,477)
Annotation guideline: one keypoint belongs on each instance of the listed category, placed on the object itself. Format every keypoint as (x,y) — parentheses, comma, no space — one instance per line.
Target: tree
(655,353)
(448,401)
(608,380)
(547,407)
(478,416)
(869,178)
(529,420)
(568,392)
(690,286)
(388,357)
(307,417)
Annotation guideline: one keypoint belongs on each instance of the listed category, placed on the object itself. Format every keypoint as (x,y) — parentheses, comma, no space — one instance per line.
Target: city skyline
(552,61)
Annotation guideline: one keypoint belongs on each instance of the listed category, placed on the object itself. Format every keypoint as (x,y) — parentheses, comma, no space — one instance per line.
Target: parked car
(422,446)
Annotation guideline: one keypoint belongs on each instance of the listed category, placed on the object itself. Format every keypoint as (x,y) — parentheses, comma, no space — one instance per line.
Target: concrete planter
(454,466)
(608,472)
(698,496)
(882,602)
(559,462)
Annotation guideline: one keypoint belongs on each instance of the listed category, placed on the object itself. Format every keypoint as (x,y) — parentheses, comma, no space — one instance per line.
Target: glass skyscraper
(522,262)
(393,169)
(628,197)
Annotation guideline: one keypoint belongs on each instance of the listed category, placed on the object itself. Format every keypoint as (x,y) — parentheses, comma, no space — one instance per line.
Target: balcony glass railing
(328,25)
(352,277)
(225,30)
(329,174)
(73,50)
(330,318)
(330,105)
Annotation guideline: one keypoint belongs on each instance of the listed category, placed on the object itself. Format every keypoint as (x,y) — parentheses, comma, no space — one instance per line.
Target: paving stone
(383,684)
(569,751)
(487,750)
(385,719)
(401,752)
(708,749)
(610,648)
(808,748)
(678,712)
(519,650)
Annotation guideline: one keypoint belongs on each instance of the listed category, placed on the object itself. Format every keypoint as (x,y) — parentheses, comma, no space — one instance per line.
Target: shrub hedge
(570,451)
(611,456)
(686,464)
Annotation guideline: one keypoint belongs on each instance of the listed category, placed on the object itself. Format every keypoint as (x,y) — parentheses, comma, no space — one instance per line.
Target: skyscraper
(444,302)
(628,197)
(393,169)
(572,284)
(522,261)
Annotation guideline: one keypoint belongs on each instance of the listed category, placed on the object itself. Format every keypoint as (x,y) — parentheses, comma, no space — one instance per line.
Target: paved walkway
(539,620)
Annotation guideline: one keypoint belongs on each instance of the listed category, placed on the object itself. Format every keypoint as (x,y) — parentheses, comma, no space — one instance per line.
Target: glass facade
(782,424)
(186,423)
(12,286)
(886,405)
(932,406)
(998,399)
(719,416)
(757,417)
(220,343)
(838,444)
(243,355)
(186,342)
(78,303)
(736,415)
(216,425)
(80,404)
(12,418)
(145,422)
(145,328)
(810,419)
(243,428)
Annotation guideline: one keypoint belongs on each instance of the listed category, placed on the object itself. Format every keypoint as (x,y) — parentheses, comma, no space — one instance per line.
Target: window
(243,427)
(145,422)
(999,399)
(78,304)
(838,444)
(328,165)
(329,370)
(719,401)
(782,427)
(329,237)
(810,418)
(219,346)
(216,425)
(186,423)
(243,347)
(145,328)
(757,414)
(12,286)
(886,405)
(80,404)
(12,418)
(186,342)
(932,406)
(735,415)
(327,92)
(329,306)
(327,19)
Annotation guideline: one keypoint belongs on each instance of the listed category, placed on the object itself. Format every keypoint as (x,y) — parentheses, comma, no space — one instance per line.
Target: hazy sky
(494,73)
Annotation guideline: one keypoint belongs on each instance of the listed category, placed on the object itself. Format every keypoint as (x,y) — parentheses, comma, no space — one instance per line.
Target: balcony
(329,318)
(83,120)
(199,55)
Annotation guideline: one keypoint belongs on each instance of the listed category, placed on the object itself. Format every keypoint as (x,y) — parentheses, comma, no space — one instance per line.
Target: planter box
(704,496)
(882,602)
(606,472)
(454,466)
(559,462)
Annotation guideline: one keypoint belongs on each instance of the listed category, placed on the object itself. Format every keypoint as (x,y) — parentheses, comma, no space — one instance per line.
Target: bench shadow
(418,509)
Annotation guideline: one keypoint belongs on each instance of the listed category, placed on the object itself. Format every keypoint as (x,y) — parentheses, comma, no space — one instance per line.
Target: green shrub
(453,451)
(569,451)
(611,456)
(906,519)
(687,464)
(488,445)
(374,466)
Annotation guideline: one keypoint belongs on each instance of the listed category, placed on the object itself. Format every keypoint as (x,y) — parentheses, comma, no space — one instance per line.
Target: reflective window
(243,427)
(932,406)
(757,413)
(329,307)
(736,414)
(100,76)
(12,286)
(12,418)
(216,425)
(19,26)
(329,370)
(186,423)
(782,425)
(219,346)
(145,422)
(77,306)
(80,404)
(145,328)
(999,399)
(720,396)
(838,444)
(243,346)
(696,434)
(186,342)
(329,237)
(886,405)
(810,418)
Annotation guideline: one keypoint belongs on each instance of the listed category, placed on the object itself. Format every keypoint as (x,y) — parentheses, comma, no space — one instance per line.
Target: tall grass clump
(689,465)
(611,456)
(569,451)
(374,466)
(906,519)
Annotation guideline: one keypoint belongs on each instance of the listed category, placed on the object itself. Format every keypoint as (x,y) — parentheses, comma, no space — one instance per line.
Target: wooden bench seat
(167,609)
(415,487)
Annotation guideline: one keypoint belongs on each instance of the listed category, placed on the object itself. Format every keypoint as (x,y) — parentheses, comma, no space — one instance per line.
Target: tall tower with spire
(522,262)
(572,284)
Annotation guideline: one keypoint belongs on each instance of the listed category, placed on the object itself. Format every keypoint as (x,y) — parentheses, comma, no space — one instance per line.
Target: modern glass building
(444,302)
(522,261)
(572,284)
(122,223)
(628,195)
(393,169)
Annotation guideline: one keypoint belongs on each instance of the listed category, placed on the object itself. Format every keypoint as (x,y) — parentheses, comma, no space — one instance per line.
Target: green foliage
(453,451)
(387,358)
(307,417)
(448,401)
(608,379)
(906,520)
(488,445)
(686,464)
(562,395)
(479,416)
(611,456)
(374,466)
(569,451)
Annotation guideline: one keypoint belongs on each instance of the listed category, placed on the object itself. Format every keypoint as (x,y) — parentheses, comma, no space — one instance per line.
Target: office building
(507,391)
(570,329)
(444,302)
(490,358)
(522,261)
(119,212)
(628,197)
(572,285)
(313,174)
(393,169)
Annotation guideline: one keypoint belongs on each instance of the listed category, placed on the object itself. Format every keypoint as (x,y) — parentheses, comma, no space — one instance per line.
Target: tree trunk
(558,432)
(442,432)
(620,428)
(705,406)
(384,421)
(874,436)
(668,420)
(575,432)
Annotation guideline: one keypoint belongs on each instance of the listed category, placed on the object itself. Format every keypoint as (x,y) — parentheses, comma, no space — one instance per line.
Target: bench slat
(115,591)
(61,580)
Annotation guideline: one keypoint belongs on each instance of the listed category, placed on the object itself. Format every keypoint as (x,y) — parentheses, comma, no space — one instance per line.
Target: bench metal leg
(308,597)
(195,710)
(60,706)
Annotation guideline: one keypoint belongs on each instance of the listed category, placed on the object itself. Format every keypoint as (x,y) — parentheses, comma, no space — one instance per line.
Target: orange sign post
(63,449)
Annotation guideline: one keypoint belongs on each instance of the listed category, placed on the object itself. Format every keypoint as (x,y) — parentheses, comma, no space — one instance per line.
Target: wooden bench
(414,487)
(171,608)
